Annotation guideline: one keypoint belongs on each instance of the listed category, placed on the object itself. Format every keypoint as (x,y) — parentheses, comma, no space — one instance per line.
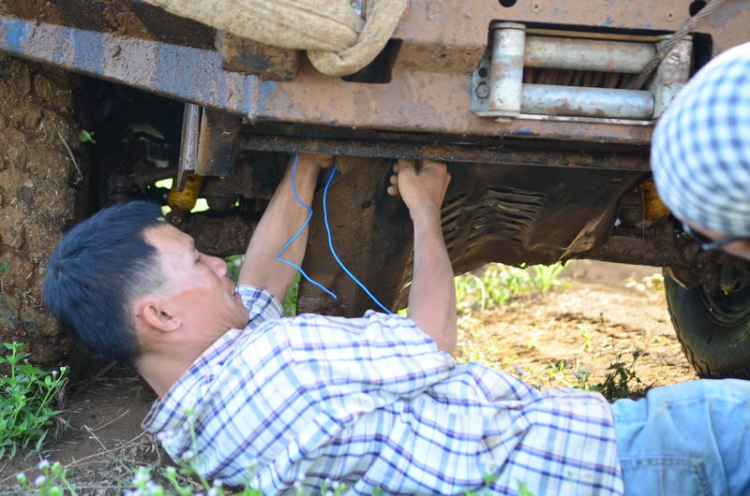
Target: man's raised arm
(432,296)
(280,222)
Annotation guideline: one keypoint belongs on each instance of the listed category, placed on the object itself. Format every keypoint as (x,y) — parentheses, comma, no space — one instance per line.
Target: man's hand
(319,160)
(420,187)
(432,295)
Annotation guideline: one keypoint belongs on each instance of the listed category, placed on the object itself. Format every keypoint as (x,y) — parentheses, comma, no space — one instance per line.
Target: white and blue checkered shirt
(371,403)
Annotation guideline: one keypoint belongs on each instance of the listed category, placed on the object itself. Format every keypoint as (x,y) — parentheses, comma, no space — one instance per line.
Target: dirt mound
(37,128)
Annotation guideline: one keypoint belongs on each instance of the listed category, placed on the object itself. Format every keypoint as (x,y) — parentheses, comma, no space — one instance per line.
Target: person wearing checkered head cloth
(700,153)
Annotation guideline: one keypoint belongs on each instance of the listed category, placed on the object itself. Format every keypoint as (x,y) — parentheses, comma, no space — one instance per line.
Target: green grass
(234,264)
(653,283)
(497,283)
(290,301)
(490,288)
(27,398)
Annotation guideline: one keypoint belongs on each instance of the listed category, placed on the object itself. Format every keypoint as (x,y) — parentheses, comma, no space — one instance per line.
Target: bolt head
(483,90)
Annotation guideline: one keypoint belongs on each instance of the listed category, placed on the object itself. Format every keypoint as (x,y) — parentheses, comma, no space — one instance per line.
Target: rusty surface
(428,90)
(371,233)
(217,148)
(660,245)
(131,18)
(728,25)
(445,35)
(249,57)
(188,144)
(491,214)
(451,35)
(505,155)
(671,76)
(165,27)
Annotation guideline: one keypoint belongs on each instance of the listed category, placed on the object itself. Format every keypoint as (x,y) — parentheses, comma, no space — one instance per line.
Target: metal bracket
(250,57)
(191,121)
(209,143)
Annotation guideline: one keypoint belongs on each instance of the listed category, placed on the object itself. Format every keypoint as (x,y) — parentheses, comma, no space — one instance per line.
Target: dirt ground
(544,338)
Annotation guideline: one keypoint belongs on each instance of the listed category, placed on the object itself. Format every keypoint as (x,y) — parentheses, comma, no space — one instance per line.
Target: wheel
(713,328)
(36,196)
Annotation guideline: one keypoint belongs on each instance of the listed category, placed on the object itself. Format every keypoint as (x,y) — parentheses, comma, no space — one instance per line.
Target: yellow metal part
(188,197)
(653,207)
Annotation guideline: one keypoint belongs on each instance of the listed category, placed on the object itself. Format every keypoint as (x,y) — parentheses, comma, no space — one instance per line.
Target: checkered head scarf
(700,153)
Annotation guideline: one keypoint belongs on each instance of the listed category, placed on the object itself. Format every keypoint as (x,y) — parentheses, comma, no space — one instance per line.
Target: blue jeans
(686,439)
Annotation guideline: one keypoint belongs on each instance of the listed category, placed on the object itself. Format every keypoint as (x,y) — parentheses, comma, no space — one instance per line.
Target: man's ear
(155,313)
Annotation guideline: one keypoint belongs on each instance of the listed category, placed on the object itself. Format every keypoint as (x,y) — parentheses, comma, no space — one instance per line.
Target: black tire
(713,328)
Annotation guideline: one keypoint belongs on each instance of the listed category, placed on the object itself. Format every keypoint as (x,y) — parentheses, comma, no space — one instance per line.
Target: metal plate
(441,43)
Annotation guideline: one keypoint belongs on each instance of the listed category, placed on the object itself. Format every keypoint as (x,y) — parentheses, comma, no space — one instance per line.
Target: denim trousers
(687,439)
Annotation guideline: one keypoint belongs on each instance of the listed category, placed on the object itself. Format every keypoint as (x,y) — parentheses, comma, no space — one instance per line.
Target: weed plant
(234,264)
(27,396)
(547,276)
(653,283)
(498,283)
(621,378)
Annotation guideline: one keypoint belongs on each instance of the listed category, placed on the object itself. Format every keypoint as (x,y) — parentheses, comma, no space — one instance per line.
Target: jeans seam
(695,465)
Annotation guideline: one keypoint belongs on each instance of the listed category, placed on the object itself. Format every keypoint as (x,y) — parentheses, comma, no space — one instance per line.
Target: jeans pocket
(664,476)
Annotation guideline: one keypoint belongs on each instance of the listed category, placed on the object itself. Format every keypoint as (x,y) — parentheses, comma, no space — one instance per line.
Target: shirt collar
(169,412)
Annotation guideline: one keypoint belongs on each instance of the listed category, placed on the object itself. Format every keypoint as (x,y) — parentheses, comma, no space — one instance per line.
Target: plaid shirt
(371,403)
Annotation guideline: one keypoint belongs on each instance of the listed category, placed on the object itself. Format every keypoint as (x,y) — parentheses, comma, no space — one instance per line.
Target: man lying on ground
(374,403)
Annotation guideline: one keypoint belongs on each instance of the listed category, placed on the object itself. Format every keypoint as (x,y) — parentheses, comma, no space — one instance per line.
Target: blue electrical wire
(330,238)
(333,251)
(307,221)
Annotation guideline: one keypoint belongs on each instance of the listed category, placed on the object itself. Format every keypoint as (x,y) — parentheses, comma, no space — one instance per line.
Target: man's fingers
(393,190)
(394,179)
(406,165)
(321,160)
(432,164)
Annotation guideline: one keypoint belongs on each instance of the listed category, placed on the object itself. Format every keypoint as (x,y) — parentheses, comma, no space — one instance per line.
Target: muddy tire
(713,328)
(36,196)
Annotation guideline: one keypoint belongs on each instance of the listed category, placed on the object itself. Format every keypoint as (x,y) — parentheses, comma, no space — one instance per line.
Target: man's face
(196,290)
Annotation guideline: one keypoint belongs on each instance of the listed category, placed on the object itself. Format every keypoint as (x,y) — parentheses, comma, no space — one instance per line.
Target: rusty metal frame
(506,155)
(429,88)
(492,213)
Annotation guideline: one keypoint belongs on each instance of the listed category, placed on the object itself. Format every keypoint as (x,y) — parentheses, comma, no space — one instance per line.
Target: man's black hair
(95,273)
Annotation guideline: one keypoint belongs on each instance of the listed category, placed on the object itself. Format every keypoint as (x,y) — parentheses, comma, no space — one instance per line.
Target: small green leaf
(4,267)
(147,128)
(86,136)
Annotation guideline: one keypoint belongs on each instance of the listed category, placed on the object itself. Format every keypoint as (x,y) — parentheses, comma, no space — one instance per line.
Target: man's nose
(219,266)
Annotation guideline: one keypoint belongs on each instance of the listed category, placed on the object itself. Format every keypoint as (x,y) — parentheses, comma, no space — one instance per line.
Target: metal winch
(565,75)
